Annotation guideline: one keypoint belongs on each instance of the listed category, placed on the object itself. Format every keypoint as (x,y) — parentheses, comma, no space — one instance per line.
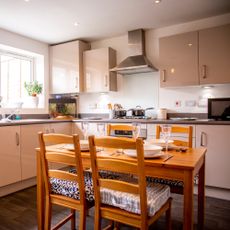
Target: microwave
(219,108)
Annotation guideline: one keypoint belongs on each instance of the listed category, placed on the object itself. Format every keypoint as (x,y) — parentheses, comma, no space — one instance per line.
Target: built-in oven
(219,108)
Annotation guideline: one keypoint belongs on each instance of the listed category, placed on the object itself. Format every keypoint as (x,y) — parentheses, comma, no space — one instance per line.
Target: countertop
(98,120)
(156,121)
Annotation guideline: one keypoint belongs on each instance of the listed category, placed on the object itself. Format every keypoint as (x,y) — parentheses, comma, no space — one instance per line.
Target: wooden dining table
(182,166)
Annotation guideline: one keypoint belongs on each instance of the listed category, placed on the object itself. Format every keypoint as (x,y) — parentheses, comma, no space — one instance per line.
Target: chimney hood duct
(137,61)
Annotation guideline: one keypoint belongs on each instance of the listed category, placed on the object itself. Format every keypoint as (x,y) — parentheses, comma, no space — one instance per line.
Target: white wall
(24,43)
(143,89)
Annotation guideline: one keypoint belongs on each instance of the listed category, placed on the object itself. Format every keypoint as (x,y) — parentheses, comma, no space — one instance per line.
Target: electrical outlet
(177,103)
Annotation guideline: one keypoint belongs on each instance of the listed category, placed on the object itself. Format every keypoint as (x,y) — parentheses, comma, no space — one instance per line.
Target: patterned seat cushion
(157,195)
(71,189)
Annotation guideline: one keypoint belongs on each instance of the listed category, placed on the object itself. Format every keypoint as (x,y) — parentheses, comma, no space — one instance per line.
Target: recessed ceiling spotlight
(76,24)
(26,0)
(157,1)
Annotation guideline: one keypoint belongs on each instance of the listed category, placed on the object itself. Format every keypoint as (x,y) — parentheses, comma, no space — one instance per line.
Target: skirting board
(17,186)
(219,193)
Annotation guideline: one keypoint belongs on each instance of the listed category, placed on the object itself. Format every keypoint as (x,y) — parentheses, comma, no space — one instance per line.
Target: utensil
(138,111)
(101,129)
(167,158)
(136,130)
(85,127)
(166,131)
(119,113)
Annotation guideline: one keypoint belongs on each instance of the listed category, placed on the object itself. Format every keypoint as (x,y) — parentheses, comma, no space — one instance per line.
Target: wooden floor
(18,212)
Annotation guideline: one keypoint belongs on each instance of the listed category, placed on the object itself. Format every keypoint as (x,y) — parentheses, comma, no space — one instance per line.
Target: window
(16,68)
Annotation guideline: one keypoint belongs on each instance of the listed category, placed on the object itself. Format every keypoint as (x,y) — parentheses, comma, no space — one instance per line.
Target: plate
(133,153)
(159,142)
(150,149)
(84,145)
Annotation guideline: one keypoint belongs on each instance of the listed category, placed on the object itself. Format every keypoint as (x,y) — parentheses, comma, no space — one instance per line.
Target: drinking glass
(85,128)
(101,129)
(136,130)
(166,132)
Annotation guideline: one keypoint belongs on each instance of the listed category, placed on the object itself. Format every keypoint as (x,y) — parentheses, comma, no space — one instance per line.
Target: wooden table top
(181,160)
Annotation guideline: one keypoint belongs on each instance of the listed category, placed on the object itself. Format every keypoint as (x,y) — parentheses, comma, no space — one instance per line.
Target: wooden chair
(135,205)
(175,185)
(187,130)
(120,127)
(63,187)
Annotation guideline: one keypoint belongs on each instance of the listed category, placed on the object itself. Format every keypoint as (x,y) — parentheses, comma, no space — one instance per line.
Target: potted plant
(33,89)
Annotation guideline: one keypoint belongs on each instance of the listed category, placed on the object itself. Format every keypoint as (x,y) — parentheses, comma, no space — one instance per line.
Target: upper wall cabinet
(195,58)
(214,55)
(67,67)
(179,60)
(97,76)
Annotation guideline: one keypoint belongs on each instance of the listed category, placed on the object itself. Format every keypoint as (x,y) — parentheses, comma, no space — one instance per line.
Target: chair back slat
(56,157)
(116,165)
(119,186)
(188,130)
(116,143)
(54,138)
(63,175)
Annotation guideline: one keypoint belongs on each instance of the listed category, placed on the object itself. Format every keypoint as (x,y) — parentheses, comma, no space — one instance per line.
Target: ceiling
(52,21)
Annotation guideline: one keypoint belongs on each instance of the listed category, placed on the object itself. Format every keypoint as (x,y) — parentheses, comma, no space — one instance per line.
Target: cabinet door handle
(106,80)
(17,139)
(203,139)
(204,71)
(164,75)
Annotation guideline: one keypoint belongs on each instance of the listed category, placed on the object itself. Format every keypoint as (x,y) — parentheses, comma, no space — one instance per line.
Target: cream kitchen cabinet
(10,165)
(97,77)
(179,60)
(194,58)
(29,141)
(66,67)
(216,139)
(214,55)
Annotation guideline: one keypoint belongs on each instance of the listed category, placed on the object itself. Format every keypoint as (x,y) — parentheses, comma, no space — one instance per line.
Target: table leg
(40,201)
(188,201)
(201,197)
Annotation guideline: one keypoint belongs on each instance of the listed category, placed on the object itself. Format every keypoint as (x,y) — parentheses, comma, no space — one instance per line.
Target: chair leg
(73,222)
(116,226)
(168,216)
(97,220)
(82,219)
(47,214)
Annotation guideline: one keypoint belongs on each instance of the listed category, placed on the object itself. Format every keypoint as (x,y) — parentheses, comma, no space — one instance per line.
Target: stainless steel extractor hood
(137,61)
